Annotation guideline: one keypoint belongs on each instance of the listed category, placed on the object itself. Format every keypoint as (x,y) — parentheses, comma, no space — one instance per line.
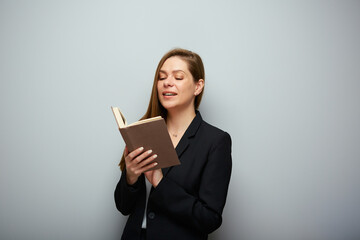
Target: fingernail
(154,156)
(150,151)
(140,149)
(155,164)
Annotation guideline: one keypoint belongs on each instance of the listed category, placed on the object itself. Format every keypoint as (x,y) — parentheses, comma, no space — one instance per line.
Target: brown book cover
(151,134)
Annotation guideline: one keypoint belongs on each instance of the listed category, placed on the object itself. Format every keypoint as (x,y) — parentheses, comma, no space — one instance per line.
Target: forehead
(174,64)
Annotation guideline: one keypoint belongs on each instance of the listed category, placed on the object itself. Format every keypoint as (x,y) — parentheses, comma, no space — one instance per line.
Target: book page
(120,119)
(145,120)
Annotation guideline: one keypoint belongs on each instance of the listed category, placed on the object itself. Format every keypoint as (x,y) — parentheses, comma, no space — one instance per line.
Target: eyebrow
(175,71)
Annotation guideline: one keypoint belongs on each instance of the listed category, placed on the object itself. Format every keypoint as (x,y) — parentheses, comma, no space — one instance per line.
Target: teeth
(169,94)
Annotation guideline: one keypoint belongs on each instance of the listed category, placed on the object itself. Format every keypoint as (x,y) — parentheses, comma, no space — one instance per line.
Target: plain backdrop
(282,77)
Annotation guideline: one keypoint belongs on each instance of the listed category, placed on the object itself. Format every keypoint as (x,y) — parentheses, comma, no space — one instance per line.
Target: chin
(168,106)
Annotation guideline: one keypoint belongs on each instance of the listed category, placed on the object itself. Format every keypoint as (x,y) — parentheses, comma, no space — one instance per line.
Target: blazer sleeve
(202,212)
(126,195)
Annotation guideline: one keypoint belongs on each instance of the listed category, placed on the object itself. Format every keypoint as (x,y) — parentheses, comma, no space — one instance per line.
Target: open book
(151,134)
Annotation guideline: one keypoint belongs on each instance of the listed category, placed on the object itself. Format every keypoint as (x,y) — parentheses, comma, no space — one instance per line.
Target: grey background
(283,78)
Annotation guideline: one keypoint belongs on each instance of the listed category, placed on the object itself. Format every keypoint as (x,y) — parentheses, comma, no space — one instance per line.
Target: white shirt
(148,188)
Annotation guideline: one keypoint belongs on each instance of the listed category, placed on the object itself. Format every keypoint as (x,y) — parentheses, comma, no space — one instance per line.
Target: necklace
(178,133)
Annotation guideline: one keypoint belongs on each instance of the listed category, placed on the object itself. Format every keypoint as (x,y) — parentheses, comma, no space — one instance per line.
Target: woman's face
(176,86)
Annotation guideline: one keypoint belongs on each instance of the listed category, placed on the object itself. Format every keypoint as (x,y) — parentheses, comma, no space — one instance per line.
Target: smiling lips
(169,94)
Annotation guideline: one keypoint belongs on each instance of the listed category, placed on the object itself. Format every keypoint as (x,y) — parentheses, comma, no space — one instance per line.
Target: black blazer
(189,200)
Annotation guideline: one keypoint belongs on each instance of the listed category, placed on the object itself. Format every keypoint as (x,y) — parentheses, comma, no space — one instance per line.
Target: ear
(199,86)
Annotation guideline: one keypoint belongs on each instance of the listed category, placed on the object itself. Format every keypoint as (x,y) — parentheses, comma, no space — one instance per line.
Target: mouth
(168,94)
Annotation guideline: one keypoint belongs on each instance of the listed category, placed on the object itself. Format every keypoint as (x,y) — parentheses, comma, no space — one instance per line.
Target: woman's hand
(137,162)
(154,176)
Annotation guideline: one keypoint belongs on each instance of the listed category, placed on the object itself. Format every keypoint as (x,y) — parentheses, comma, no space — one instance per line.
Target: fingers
(138,161)
(154,176)
(148,160)
(134,153)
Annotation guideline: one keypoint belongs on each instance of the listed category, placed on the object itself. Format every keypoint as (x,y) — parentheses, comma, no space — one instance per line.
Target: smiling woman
(185,201)
(176,86)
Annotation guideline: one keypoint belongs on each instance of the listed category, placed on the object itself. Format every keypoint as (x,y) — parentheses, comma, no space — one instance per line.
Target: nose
(169,81)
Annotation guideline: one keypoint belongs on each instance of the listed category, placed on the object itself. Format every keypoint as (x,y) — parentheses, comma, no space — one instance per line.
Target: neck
(177,122)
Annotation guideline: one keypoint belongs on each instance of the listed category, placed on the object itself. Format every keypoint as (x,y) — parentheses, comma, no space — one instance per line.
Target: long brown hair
(196,68)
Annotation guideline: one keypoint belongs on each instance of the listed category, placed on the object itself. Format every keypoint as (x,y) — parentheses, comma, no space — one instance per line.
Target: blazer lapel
(186,139)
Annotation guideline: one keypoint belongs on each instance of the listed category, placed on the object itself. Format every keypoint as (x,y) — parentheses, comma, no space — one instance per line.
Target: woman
(185,201)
